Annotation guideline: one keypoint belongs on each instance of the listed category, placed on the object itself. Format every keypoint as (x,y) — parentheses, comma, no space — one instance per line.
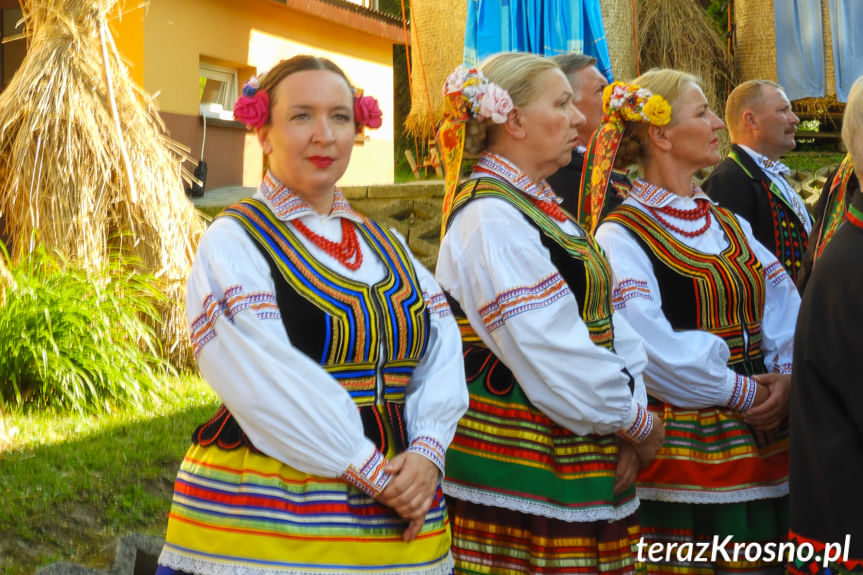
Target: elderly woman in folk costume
(539,475)
(336,358)
(716,311)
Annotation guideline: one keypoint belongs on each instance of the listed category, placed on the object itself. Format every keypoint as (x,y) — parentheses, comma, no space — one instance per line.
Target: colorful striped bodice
(360,334)
(722,294)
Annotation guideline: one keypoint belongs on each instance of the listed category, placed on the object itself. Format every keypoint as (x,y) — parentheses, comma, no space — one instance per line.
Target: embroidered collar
(657,197)
(774,167)
(496,165)
(288,205)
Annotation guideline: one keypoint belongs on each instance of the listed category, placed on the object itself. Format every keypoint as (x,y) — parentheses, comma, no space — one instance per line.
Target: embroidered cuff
(782,368)
(640,427)
(743,394)
(370,476)
(430,448)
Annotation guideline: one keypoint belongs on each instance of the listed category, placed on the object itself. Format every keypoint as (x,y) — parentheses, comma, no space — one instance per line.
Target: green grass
(77,338)
(812,161)
(73,483)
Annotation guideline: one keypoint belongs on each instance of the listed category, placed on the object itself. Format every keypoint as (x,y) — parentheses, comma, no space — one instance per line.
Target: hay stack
(678,34)
(754,40)
(617,19)
(85,164)
(437,47)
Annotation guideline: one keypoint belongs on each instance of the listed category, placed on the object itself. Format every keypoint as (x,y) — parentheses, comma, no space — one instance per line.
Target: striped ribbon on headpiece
(467,94)
(621,103)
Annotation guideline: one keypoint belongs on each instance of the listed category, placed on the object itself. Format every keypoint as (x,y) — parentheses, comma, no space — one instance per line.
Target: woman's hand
(770,412)
(411,490)
(627,466)
(648,448)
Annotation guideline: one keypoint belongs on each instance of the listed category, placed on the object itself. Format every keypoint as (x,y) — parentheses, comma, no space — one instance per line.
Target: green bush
(76,339)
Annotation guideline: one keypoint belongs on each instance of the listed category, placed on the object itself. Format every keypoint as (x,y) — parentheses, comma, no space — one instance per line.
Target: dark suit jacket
(738,184)
(826,396)
(566,183)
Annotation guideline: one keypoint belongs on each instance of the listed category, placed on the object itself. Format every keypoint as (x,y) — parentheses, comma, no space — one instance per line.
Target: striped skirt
(493,540)
(666,527)
(712,456)
(713,478)
(238,511)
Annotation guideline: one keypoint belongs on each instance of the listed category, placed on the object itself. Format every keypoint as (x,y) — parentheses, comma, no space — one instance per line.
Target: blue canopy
(546,27)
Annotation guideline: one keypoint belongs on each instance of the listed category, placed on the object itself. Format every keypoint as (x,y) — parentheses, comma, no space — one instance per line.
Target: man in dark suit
(587,85)
(751,180)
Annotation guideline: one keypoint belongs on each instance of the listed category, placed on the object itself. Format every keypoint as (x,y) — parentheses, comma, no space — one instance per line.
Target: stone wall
(413,209)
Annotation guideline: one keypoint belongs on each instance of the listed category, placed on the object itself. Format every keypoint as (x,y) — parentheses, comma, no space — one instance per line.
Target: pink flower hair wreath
(253,108)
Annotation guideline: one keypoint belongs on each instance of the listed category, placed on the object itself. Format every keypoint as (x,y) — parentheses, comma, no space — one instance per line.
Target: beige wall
(165,42)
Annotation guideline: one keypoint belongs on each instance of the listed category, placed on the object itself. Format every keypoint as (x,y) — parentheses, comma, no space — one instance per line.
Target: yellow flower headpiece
(630,103)
(621,103)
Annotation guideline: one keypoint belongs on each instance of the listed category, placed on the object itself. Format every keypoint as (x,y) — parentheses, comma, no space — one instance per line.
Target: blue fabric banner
(546,27)
(846,19)
(799,48)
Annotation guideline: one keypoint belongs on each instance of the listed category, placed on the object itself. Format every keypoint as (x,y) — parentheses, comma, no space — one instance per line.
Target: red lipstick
(321,161)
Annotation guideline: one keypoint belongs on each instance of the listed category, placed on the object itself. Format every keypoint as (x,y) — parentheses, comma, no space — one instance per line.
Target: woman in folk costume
(716,311)
(336,358)
(539,475)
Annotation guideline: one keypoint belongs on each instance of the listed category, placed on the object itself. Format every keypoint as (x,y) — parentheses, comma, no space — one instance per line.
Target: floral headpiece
(253,107)
(467,94)
(621,103)
(626,102)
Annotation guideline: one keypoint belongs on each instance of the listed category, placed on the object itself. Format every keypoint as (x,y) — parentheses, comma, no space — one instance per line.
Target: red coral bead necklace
(347,251)
(702,210)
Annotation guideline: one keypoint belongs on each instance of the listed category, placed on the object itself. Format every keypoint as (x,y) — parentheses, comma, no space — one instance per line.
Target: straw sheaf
(437,47)
(754,40)
(678,34)
(617,20)
(85,163)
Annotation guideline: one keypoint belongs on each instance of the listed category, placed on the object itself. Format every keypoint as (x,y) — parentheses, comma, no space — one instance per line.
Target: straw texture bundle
(619,33)
(85,164)
(678,34)
(754,40)
(437,47)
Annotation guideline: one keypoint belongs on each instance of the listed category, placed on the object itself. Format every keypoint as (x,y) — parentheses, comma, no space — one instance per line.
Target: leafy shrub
(78,339)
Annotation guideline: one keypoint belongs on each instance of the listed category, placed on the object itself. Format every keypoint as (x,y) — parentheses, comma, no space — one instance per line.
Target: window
(217,90)
(13,46)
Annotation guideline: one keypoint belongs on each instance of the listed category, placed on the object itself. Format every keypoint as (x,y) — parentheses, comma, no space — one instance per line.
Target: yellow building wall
(165,42)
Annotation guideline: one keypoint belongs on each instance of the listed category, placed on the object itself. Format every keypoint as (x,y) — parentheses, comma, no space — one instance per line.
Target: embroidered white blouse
(688,368)
(286,403)
(493,263)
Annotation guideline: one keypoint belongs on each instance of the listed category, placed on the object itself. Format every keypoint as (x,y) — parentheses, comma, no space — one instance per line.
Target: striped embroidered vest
(710,455)
(357,332)
(506,452)
(722,294)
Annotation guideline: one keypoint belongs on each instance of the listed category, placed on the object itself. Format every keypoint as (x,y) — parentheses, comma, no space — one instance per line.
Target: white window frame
(223,109)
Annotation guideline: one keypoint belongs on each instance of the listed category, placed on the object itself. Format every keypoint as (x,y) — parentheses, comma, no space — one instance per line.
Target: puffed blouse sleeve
(290,408)
(436,396)
(687,368)
(493,263)
(781,305)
